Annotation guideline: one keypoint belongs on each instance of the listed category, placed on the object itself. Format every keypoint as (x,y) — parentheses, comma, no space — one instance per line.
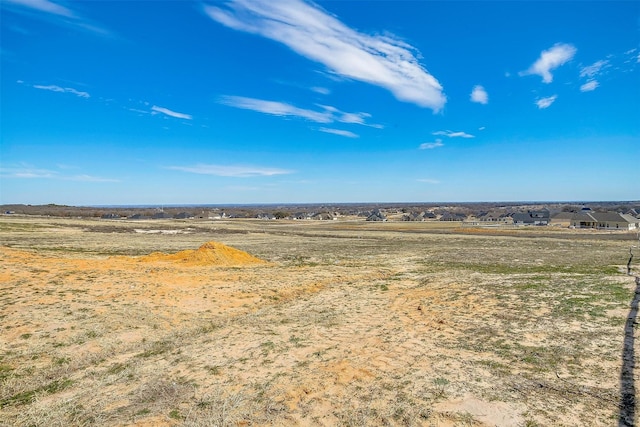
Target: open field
(346,323)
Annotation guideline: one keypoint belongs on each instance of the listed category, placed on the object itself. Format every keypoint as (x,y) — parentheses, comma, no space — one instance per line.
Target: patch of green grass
(116,368)
(215,370)
(496,367)
(26,336)
(501,267)
(267,347)
(20,227)
(296,341)
(301,261)
(175,414)
(5,371)
(91,334)
(61,360)
(440,387)
(157,348)
(26,397)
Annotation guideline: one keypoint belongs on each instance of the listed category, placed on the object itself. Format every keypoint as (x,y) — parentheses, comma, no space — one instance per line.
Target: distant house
(496,217)
(215,215)
(184,215)
(110,216)
(562,219)
(300,215)
(634,223)
(137,216)
(323,216)
(531,218)
(633,212)
(604,221)
(161,215)
(453,216)
(265,215)
(413,216)
(376,215)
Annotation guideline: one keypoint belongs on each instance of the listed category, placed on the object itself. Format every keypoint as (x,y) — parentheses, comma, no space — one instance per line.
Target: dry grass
(349,323)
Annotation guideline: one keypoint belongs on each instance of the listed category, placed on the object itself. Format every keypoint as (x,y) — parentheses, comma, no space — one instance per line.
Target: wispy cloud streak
(61,15)
(170,113)
(384,61)
(326,114)
(55,88)
(231,171)
(431,145)
(589,86)
(339,132)
(594,69)
(29,172)
(543,103)
(276,108)
(321,90)
(451,134)
(44,6)
(590,72)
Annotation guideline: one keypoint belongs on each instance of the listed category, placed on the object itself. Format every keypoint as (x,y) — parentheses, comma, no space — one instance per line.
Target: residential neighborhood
(612,216)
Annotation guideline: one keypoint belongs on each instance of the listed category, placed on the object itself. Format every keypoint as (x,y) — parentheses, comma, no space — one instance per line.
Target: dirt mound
(210,253)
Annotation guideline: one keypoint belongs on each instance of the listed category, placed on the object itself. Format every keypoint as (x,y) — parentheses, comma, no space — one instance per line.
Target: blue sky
(179,102)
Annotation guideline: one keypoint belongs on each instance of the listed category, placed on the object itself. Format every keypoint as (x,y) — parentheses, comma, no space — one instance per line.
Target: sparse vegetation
(349,323)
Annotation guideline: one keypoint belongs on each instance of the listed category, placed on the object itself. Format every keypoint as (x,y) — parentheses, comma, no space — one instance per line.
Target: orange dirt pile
(210,253)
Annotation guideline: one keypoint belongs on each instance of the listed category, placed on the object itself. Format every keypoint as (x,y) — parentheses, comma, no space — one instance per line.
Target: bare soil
(247,322)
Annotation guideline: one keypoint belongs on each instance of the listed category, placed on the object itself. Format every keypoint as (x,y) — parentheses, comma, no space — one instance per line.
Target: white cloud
(308,30)
(590,72)
(340,132)
(26,172)
(482,128)
(231,171)
(429,181)
(44,6)
(550,59)
(327,114)
(594,69)
(321,90)
(358,118)
(171,113)
(546,102)
(589,86)
(276,108)
(431,145)
(89,178)
(55,88)
(63,15)
(631,57)
(451,134)
(30,172)
(479,95)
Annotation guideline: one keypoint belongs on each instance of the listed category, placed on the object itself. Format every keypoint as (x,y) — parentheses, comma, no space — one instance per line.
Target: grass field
(347,323)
